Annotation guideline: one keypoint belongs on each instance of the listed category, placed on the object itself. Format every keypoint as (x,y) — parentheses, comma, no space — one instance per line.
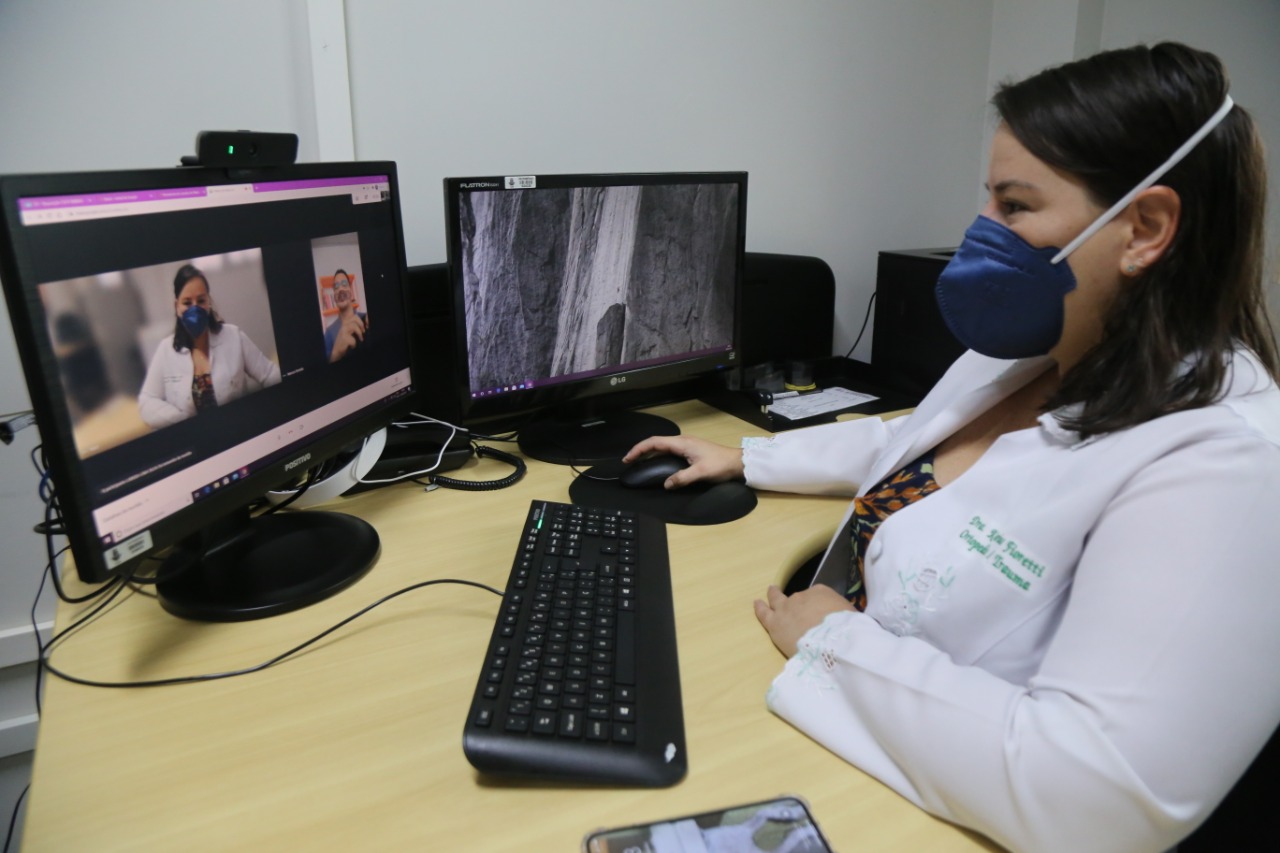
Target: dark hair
(340,271)
(1110,120)
(181,337)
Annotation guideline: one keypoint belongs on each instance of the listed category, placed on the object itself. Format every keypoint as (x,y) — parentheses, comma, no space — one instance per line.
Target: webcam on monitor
(243,148)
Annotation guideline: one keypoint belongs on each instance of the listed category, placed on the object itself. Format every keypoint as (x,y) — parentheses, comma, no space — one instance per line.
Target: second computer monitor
(570,290)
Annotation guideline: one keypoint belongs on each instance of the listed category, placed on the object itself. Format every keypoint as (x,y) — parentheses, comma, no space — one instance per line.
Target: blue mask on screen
(1001,296)
(195,320)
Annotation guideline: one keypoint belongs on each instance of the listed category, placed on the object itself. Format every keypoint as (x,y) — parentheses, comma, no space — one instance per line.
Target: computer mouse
(651,471)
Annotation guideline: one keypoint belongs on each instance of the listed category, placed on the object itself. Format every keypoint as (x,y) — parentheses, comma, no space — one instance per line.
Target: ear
(1153,220)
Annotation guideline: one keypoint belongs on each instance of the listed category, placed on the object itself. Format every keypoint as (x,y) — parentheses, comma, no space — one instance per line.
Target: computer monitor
(192,338)
(572,290)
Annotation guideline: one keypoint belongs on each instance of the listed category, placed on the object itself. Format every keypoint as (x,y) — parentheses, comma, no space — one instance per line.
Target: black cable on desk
(187,679)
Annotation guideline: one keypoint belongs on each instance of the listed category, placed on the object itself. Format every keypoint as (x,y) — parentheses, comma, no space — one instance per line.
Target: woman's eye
(1011,207)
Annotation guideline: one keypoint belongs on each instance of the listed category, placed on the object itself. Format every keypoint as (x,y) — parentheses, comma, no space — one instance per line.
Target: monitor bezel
(626,386)
(47,393)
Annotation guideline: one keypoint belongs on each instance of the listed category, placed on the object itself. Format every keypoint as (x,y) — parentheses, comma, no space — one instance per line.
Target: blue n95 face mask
(1004,298)
(195,320)
(1001,296)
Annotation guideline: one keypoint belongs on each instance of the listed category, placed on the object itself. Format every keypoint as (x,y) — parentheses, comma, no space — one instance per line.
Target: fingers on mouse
(652,472)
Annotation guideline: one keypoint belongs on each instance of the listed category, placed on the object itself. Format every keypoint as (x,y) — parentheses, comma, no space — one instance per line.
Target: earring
(1131,269)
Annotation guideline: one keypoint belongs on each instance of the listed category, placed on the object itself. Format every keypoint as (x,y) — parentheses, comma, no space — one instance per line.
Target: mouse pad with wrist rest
(700,503)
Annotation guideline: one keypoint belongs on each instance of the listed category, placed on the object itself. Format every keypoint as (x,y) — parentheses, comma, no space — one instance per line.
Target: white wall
(860,123)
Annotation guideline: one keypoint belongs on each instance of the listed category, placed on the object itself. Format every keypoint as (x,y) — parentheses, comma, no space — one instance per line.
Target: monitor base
(251,568)
(591,440)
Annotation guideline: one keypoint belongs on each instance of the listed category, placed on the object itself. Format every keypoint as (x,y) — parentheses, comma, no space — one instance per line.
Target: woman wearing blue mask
(1049,614)
(205,362)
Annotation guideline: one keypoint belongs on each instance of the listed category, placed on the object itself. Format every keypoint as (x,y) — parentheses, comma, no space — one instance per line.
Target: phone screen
(783,825)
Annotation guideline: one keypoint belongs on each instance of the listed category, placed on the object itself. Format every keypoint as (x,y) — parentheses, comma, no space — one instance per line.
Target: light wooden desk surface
(356,744)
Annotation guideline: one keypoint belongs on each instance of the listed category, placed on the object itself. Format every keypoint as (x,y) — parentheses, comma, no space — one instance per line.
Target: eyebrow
(1011,183)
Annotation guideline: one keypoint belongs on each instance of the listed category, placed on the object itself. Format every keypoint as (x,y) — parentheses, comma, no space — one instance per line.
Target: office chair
(1246,819)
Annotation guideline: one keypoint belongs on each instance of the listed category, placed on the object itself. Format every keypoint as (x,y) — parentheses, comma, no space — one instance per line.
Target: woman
(1069,549)
(205,362)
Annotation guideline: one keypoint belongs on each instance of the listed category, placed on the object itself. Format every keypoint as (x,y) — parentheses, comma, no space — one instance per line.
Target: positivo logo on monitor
(289,466)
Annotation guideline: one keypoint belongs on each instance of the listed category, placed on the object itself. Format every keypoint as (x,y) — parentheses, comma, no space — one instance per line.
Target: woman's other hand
(788,617)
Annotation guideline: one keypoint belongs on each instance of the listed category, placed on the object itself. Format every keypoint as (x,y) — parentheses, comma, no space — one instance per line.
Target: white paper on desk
(819,403)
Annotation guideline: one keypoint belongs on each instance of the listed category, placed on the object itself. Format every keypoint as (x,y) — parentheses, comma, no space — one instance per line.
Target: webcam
(241,148)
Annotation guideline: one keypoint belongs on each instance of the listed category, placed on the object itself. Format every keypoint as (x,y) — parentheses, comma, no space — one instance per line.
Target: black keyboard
(580,682)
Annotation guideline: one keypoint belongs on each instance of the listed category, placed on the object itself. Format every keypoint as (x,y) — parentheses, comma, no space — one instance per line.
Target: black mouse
(651,471)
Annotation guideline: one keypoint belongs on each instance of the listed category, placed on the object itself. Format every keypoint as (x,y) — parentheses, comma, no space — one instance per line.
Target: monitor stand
(591,440)
(243,567)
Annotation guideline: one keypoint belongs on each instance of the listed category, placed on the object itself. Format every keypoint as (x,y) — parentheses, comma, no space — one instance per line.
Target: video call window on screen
(186,334)
(114,335)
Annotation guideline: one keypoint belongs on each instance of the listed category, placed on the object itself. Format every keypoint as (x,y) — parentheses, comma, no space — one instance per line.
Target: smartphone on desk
(781,825)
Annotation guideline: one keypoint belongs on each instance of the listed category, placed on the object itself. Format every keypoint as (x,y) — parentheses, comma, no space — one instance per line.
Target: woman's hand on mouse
(787,618)
(707,460)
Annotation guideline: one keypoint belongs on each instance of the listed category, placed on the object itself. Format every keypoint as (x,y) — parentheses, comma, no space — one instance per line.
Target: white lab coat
(1073,645)
(165,397)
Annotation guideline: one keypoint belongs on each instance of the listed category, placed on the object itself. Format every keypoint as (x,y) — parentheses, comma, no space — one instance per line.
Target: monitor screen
(192,338)
(574,287)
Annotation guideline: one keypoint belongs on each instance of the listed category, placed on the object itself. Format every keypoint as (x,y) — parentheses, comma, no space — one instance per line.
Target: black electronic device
(416,450)
(581,679)
(784,823)
(699,503)
(243,149)
(911,346)
(788,309)
(572,292)
(147,458)
(652,472)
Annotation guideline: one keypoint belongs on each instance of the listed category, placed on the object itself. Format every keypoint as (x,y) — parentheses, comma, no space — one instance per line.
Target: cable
(116,586)
(444,445)
(41,469)
(573,468)
(188,679)
(518,465)
(865,318)
(53,571)
(35,625)
(510,438)
(297,493)
(13,819)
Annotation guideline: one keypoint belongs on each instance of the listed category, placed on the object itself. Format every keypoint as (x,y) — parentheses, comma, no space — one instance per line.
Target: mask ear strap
(1174,159)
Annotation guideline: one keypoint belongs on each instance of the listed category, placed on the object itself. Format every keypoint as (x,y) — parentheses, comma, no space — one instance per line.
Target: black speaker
(431,327)
(911,346)
(788,309)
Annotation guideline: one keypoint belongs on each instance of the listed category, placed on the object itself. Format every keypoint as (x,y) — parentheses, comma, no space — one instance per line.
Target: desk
(356,744)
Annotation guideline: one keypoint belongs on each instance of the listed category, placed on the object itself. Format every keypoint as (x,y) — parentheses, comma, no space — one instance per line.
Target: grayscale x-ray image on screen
(562,283)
